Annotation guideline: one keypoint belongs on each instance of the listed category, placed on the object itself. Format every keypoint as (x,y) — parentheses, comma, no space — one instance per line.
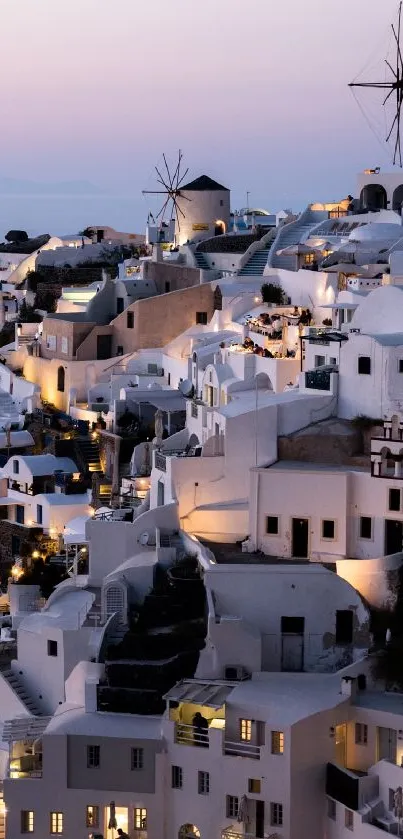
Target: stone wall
(25,537)
(331,441)
(171,277)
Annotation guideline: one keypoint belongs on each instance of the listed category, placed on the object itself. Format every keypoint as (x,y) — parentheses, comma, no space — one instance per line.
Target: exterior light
(84,550)
(52,531)
(35,554)
(30,522)
(257,299)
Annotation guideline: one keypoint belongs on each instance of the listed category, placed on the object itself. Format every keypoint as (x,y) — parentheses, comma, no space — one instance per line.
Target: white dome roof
(376,232)
(381,312)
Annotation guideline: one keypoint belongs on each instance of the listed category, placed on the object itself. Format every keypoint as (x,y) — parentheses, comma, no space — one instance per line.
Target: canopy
(344,268)
(200,693)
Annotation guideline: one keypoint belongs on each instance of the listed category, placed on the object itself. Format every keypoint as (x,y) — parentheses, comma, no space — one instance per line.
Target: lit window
(331,809)
(137,758)
(277,742)
(232,806)
(92,819)
(176,777)
(203,783)
(56,822)
(309,258)
(245,729)
(328,529)
(349,819)
(93,756)
(276,814)
(254,786)
(361,734)
(140,818)
(27,821)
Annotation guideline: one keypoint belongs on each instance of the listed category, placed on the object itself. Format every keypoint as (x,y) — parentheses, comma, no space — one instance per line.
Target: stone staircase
(89,451)
(201,261)
(256,264)
(292,234)
(8,409)
(20,690)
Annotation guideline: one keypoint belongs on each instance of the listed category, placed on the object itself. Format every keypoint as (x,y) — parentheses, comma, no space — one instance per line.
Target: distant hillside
(14,186)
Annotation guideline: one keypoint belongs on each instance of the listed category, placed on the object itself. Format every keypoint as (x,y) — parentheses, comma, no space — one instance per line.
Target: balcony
(318,379)
(241,749)
(236,833)
(160,462)
(188,735)
(27,766)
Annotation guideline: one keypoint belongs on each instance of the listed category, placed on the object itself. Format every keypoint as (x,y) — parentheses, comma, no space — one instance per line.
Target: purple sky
(253,91)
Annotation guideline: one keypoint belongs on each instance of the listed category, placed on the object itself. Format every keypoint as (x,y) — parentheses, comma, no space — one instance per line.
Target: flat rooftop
(229,553)
(307,466)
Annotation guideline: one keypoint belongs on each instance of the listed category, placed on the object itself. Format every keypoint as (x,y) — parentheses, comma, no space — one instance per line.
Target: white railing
(241,749)
(188,735)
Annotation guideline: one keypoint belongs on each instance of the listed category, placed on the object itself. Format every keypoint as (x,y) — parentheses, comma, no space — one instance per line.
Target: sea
(66,214)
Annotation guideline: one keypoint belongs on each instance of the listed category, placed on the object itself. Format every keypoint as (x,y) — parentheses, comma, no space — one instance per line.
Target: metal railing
(318,379)
(188,735)
(241,749)
(160,462)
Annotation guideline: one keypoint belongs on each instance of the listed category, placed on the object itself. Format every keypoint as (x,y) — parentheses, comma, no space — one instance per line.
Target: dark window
(221,202)
(364,365)
(20,514)
(169,378)
(203,783)
(16,469)
(167,286)
(232,806)
(201,317)
(176,777)
(130,320)
(365,527)
(119,350)
(344,626)
(15,545)
(400,365)
(361,734)
(93,756)
(104,347)
(39,513)
(120,304)
(272,525)
(276,814)
(52,648)
(137,761)
(292,626)
(394,499)
(60,379)
(328,529)
(331,809)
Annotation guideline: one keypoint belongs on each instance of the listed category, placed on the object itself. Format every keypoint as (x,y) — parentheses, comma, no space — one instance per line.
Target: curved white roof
(376,232)
(70,719)
(380,312)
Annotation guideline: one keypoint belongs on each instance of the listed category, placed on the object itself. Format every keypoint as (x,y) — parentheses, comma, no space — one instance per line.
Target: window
(27,821)
(361,734)
(52,648)
(176,777)
(120,305)
(365,527)
(320,360)
(277,743)
(167,286)
(328,529)
(245,730)
(93,756)
(140,818)
(130,320)
(344,626)
(92,818)
(232,806)
(349,819)
(276,814)
(400,365)
(333,361)
(51,342)
(394,500)
(60,379)
(272,525)
(56,822)
(137,761)
(203,783)
(254,785)
(364,365)
(201,317)
(119,349)
(331,809)
(65,346)
(20,514)
(39,513)
(16,467)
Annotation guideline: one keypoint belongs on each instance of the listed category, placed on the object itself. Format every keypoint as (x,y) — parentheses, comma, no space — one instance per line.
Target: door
(259,831)
(340,744)
(160,494)
(20,514)
(292,644)
(104,347)
(300,534)
(120,817)
(120,305)
(393,536)
(386,744)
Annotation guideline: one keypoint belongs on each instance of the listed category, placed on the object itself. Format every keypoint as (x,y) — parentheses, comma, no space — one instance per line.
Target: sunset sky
(253,91)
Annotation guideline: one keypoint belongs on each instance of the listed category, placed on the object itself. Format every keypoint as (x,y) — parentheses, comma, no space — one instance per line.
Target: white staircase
(20,690)
(291,234)
(8,409)
(256,261)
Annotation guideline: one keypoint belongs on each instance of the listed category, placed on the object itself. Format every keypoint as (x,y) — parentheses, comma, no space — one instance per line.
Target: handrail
(241,749)
(257,245)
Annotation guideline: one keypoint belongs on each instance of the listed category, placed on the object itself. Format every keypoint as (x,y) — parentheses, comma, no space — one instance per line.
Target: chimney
(349,686)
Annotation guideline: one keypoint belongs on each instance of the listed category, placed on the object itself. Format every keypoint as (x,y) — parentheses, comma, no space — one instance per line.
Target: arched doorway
(373,197)
(397,199)
(189,831)
(114,598)
(61,375)
(219,227)
(217,302)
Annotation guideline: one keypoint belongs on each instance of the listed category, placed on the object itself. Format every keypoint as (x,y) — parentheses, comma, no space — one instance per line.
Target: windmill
(392,85)
(170,184)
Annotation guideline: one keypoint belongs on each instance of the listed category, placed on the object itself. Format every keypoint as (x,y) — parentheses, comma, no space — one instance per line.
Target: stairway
(89,451)
(105,493)
(256,264)
(22,693)
(201,261)
(292,234)
(8,409)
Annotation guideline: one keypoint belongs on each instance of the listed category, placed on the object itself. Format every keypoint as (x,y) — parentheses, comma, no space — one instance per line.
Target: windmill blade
(397,116)
(171,182)
(183,177)
(161,179)
(154,191)
(177,170)
(391,68)
(387,97)
(162,210)
(398,147)
(177,207)
(399,54)
(177,221)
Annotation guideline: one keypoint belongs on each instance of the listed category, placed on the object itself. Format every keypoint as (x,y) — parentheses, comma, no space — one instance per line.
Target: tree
(272,293)
(27,314)
(87,232)
(16,236)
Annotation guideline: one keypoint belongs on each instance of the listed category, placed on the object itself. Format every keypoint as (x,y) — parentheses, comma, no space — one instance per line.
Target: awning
(200,693)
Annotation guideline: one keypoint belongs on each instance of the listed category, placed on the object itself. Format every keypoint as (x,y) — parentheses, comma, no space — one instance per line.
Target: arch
(61,377)
(263,382)
(217,300)
(219,227)
(373,197)
(114,599)
(189,831)
(397,199)
(193,441)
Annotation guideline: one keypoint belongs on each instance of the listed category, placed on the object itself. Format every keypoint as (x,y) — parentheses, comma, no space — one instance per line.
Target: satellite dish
(186,387)
(144,539)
